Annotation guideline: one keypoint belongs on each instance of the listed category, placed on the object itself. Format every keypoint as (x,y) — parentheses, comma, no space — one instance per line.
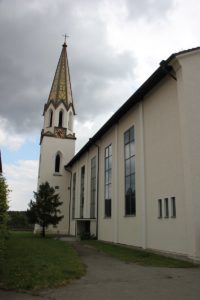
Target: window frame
(93,188)
(108,181)
(50,118)
(82,191)
(129,172)
(166,207)
(57,164)
(60,118)
(160,210)
(73,195)
(173,207)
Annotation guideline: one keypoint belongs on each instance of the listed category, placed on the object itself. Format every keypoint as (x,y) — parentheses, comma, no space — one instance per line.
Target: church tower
(57,143)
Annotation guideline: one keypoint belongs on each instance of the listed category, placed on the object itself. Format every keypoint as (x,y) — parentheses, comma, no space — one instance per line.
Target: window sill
(129,216)
(106,217)
(57,174)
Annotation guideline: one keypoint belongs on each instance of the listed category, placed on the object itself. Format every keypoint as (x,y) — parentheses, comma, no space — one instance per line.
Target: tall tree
(44,210)
(4,190)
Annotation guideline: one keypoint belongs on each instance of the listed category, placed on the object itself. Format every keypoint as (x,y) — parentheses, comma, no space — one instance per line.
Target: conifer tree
(44,210)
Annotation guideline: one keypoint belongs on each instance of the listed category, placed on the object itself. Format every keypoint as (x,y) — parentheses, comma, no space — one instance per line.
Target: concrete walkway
(108,278)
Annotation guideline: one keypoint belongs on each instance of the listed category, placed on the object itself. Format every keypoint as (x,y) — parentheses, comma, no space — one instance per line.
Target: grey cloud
(92,86)
(150,9)
(30,34)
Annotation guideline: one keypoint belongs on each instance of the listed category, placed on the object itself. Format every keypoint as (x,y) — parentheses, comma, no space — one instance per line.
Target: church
(137,180)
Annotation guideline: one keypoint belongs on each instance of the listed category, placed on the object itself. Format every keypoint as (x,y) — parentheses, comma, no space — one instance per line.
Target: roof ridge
(187,50)
(137,96)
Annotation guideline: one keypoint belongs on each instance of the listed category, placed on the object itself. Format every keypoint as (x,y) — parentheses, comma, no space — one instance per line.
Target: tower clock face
(60,132)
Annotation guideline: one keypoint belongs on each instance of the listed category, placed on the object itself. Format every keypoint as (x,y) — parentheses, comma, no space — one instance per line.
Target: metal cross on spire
(65,36)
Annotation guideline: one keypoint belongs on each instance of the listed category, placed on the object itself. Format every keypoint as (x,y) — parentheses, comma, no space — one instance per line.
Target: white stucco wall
(189,108)
(49,148)
(167,142)
(163,168)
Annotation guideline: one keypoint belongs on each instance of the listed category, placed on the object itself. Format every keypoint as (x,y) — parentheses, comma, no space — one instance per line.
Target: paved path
(108,279)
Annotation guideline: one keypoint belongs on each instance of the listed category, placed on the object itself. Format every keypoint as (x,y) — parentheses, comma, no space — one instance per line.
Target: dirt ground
(108,278)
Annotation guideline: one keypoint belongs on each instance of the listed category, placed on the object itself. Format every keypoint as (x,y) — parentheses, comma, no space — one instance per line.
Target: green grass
(140,257)
(33,262)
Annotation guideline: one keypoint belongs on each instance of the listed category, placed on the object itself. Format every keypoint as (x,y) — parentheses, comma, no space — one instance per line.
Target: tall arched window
(50,117)
(57,163)
(70,121)
(60,122)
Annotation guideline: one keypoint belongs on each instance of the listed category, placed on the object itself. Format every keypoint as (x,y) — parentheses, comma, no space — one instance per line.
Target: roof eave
(148,85)
(157,76)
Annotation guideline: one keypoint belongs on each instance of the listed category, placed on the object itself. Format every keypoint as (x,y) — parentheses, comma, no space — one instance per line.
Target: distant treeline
(18,220)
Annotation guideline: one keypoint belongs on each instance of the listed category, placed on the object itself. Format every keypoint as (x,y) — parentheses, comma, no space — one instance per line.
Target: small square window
(159,208)
(166,208)
(173,207)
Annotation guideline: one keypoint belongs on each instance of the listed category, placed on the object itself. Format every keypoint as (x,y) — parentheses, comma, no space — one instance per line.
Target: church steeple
(59,110)
(61,87)
(57,144)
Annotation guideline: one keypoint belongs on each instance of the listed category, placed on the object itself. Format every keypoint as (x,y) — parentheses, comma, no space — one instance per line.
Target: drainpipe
(68,170)
(97,225)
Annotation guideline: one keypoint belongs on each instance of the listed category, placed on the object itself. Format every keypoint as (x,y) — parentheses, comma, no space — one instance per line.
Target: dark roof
(152,81)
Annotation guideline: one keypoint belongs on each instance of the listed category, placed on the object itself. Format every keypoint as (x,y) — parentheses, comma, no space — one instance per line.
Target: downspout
(97,225)
(69,188)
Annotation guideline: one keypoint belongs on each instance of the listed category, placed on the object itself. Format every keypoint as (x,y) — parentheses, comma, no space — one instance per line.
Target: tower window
(50,118)
(57,163)
(60,123)
(70,121)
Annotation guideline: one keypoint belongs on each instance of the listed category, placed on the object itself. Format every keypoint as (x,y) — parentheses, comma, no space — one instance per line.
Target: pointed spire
(61,86)
(1,170)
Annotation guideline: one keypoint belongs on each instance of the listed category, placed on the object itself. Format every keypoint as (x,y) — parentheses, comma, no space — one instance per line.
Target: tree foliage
(44,210)
(19,220)
(4,191)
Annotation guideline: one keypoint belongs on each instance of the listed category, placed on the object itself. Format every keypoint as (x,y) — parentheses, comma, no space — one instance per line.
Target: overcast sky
(113,46)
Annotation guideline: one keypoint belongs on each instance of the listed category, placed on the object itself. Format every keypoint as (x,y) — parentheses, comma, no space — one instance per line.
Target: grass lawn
(141,257)
(35,262)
